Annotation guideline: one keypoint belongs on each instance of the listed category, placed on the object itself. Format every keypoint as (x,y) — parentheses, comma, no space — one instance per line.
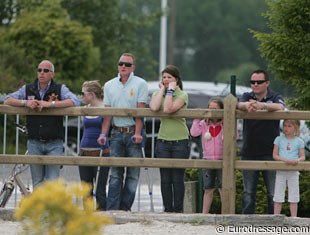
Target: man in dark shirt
(45,133)
(258,137)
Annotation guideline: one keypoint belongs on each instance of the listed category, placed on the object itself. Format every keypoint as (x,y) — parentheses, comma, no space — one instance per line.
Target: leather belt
(45,140)
(125,129)
(93,153)
(171,141)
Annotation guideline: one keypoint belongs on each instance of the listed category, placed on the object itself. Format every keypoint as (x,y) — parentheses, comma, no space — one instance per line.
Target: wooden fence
(229,163)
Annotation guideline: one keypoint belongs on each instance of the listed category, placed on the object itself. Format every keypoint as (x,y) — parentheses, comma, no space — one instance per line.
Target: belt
(125,129)
(45,140)
(93,153)
(171,141)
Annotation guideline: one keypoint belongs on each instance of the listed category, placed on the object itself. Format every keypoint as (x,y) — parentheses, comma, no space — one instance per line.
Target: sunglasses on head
(121,63)
(44,70)
(257,81)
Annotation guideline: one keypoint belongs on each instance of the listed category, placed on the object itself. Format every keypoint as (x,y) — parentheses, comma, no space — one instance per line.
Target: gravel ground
(155,227)
(142,223)
(164,228)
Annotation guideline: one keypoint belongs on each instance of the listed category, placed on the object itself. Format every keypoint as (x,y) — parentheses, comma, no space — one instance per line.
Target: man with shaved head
(45,133)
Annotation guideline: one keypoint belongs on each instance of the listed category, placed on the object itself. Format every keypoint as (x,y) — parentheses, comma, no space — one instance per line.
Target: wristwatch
(265,106)
(53,104)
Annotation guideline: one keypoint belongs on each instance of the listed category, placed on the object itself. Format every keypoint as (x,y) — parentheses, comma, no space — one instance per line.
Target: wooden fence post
(229,153)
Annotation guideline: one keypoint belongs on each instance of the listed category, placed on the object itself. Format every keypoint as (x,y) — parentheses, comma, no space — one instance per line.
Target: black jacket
(45,127)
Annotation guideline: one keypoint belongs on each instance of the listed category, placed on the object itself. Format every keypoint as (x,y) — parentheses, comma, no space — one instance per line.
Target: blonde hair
(295,123)
(94,86)
(50,63)
(130,55)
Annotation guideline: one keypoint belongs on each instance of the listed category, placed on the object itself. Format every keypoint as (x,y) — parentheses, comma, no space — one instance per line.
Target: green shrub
(261,198)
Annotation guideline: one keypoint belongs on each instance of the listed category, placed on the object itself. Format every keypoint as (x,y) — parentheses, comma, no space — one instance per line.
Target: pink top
(212,142)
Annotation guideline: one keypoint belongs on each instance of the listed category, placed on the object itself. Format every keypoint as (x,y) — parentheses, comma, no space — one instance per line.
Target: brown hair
(175,72)
(217,100)
(258,71)
(94,86)
(295,123)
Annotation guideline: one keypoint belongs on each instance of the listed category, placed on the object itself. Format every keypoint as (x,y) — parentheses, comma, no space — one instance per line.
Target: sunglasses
(44,70)
(257,81)
(85,93)
(121,63)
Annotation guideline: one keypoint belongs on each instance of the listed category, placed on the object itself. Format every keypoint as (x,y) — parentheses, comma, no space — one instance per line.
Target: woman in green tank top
(172,140)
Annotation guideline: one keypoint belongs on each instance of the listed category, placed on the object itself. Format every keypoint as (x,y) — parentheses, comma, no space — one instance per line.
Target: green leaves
(84,39)
(44,30)
(287,47)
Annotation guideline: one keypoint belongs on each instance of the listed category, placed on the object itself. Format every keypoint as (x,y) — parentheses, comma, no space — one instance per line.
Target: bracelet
(169,92)
(103,134)
(24,103)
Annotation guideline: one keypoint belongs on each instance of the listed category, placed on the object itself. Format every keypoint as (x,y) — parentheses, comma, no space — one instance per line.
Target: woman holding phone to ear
(172,140)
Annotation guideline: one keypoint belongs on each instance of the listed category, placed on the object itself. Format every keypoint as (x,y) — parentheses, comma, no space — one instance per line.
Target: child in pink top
(212,144)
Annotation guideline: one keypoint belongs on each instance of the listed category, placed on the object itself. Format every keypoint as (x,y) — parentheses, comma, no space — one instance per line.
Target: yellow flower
(52,208)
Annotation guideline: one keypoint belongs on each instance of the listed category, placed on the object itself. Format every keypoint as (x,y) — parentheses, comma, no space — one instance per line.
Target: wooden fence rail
(146,162)
(229,163)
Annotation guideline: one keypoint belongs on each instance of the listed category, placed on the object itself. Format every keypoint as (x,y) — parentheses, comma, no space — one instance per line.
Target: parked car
(199,93)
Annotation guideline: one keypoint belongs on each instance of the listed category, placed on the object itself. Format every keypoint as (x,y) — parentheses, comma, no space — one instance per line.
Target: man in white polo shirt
(124,91)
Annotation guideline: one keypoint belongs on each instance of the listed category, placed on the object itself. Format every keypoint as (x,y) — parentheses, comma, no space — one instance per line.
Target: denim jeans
(39,173)
(88,174)
(211,177)
(250,181)
(122,190)
(172,179)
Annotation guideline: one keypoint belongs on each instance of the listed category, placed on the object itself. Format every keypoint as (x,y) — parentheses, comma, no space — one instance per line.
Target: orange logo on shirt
(131,92)
(53,97)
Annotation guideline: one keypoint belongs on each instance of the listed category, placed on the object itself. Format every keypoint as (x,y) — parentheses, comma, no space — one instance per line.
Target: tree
(118,27)
(15,65)
(103,18)
(45,32)
(8,11)
(213,35)
(287,46)
(101,30)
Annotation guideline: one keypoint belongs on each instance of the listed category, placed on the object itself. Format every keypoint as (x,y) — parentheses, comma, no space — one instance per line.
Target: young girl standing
(212,144)
(92,96)
(288,148)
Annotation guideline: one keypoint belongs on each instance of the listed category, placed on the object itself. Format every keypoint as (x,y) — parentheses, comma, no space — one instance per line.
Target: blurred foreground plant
(52,209)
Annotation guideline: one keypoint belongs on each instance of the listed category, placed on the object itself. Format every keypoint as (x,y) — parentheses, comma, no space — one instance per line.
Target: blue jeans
(122,191)
(172,179)
(39,173)
(210,177)
(250,181)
